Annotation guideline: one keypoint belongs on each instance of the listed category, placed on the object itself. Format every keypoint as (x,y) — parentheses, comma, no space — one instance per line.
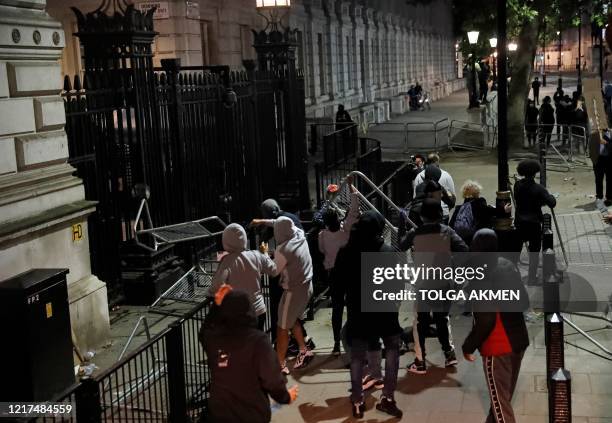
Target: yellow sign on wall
(49,310)
(77,232)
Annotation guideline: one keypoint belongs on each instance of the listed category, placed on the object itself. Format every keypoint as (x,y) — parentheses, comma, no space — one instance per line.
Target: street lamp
(493,43)
(512,47)
(473,39)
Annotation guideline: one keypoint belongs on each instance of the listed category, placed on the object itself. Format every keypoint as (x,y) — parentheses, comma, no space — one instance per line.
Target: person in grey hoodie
(242,269)
(294,264)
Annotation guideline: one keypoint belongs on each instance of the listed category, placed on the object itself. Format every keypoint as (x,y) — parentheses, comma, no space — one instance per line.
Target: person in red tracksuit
(501,337)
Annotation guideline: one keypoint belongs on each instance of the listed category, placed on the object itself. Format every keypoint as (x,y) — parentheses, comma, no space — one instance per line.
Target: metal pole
(601,53)
(502,99)
(544,56)
(579,88)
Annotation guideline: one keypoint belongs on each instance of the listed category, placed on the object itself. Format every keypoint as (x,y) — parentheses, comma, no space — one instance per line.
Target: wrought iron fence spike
(67,86)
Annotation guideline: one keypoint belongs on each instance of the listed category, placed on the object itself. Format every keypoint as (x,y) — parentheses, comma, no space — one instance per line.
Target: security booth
(36,360)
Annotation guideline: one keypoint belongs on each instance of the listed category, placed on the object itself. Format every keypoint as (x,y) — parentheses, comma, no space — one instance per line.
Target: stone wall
(358,53)
(41,202)
(364,55)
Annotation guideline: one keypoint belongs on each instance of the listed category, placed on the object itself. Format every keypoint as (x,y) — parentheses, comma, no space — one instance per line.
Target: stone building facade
(43,211)
(360,53)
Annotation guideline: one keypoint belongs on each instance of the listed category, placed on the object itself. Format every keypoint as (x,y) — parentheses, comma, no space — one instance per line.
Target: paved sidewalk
(457,395)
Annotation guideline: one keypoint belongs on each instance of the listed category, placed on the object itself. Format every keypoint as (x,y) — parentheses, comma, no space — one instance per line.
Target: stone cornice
(49,219)
(21,186)
(29,34)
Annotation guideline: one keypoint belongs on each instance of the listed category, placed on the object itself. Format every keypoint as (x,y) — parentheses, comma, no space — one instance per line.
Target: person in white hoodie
(242,269)
(331,239)
(294,264)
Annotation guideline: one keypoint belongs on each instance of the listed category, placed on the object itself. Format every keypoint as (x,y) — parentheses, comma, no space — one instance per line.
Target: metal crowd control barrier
(433,126)
(561,136)
(391,128)
(473,127)
(342,200)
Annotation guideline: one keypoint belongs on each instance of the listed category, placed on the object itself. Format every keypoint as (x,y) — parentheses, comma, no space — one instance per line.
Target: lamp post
(579,59)
(473,39)
(503,219)
(559,59)
(493,43)
(544,55)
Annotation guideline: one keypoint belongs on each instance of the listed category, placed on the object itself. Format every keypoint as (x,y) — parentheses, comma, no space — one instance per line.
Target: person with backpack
(432,236)
(242,268)
(473,214)
(331,239)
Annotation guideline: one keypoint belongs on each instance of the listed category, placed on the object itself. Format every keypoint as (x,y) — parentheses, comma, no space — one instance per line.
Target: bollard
(560,397)
(553,338)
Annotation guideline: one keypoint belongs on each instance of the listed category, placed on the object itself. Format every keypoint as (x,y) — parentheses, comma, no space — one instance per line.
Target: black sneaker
(388,405)
(358,409)
(418,367)
(336,350)
(451,358)
(303,359)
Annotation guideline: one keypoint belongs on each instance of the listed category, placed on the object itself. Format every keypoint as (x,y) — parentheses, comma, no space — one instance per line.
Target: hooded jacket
(243,365)
(292,255)
(492,329)
(365,236)
(242,268)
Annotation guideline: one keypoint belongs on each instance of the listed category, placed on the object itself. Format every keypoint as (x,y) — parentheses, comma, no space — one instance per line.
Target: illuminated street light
(473,36)
(493,42)
(512,46)
(273,3)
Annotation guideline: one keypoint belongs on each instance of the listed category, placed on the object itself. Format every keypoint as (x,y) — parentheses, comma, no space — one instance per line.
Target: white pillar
(40,201)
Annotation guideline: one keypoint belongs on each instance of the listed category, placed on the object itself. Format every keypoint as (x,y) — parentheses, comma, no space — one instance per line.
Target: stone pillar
(331,39)
(368,40)
(180,37)
(43,211)
(411,54)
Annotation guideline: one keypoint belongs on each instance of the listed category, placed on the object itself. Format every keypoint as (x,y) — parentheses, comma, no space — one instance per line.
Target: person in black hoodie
(530,197)
(547,120)
(364,329)
(531,123)
(580,122)
(243,365)
(500,336)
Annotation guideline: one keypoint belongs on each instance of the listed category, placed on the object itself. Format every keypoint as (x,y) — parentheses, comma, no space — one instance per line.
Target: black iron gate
(206,140)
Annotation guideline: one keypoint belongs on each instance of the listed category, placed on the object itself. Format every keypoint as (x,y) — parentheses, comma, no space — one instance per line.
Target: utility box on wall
(36,359)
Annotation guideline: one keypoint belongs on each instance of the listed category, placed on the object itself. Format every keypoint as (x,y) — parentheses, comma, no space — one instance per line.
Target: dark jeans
(359,352)
(536,96)
(603,167)
(442,322)
(338,301)
(545,136)
(501,374)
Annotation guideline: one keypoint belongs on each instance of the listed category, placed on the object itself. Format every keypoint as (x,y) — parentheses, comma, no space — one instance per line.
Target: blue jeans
(359,353)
